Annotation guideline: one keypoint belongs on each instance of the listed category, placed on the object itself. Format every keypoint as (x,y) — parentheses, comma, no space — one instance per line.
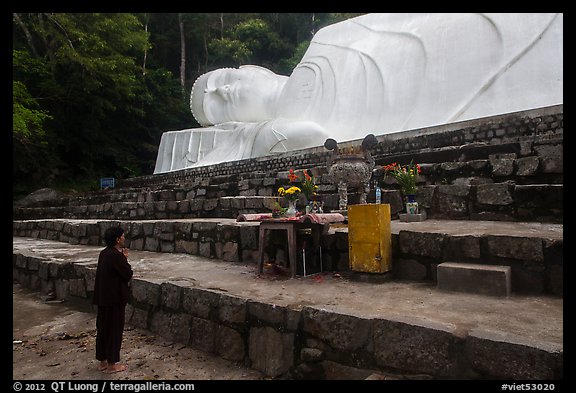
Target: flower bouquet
(290,194)
(309,186)
(406,176)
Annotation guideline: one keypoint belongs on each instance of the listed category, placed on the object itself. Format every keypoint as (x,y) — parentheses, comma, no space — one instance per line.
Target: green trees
(93,92)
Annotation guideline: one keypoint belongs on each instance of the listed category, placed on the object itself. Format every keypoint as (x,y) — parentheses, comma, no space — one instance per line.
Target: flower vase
(411,204)
(291,212)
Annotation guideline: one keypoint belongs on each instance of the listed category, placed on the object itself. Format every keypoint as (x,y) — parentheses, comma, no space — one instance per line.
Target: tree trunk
(145,48)
(182,55)
(221,25)
(26,32)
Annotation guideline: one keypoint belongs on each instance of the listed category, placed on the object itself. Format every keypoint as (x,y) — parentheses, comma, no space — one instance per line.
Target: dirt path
(55,341)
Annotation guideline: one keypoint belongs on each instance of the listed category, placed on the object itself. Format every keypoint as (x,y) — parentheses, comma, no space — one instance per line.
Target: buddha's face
(247,94)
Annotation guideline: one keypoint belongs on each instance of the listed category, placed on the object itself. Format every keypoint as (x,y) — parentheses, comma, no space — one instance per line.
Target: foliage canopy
(93,92)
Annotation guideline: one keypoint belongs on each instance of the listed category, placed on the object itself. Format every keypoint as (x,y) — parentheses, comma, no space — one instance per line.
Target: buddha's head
(246,94)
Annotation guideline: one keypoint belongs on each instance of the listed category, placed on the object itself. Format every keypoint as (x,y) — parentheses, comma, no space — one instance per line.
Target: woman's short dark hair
(112,234)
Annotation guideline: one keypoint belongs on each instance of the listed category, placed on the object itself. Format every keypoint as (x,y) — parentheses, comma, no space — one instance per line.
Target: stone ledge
(412,217)
(241,327)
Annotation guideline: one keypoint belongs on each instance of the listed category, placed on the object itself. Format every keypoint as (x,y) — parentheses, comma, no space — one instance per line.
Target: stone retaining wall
(537,263)
(282,341)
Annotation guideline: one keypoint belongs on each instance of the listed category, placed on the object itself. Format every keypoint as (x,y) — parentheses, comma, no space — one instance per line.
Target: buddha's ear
(330,144)
(369,142)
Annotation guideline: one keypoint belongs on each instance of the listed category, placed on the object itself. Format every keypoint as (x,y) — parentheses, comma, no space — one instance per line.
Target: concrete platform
(402,326)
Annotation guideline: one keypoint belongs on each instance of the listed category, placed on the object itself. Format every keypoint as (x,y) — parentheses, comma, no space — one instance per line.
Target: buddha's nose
(223,91)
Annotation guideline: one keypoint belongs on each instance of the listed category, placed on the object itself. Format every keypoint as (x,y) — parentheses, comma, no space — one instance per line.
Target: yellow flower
(293,190)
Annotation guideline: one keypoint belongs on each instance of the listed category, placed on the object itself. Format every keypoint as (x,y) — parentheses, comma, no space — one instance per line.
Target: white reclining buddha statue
(379,74)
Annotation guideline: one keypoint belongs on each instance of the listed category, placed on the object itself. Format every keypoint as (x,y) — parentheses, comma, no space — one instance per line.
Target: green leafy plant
(406,176)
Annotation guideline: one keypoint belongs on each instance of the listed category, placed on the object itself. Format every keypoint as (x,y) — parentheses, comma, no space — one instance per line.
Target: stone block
(249,237)
(271,351)
(62,288)
(182,230)
(179,328)
(210,204)
(33,263)
(521,248)
(502,166)
(226,232)
(136,317)
(137,244)
(501,355)
(185,246)
(172,206)
(474,278)
(160,206)
(21,261)
(232,310)
(227,251)
(551,164)
(555,282)
(77,287)
(527,166)
(451,200)
(202,335)
(341,332)
(160,323)
(167,246)
(416,345)
(250,256)
(146,292)
(205,249)
(229,344)
(151,244)
(423,244)
(238,202)
(270,314)
(200,302)
(494,194)
(409,269)
(170,295)
(196,204)
(463,246)
(207,228)
(253,203)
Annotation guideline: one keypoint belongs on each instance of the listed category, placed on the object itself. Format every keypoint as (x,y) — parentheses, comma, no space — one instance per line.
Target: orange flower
(406,176)
(292,176)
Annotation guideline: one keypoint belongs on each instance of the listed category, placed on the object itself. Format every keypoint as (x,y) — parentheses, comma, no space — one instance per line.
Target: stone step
(492,201)
(537,172)
(223,207)
(534,251)
(474,278)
